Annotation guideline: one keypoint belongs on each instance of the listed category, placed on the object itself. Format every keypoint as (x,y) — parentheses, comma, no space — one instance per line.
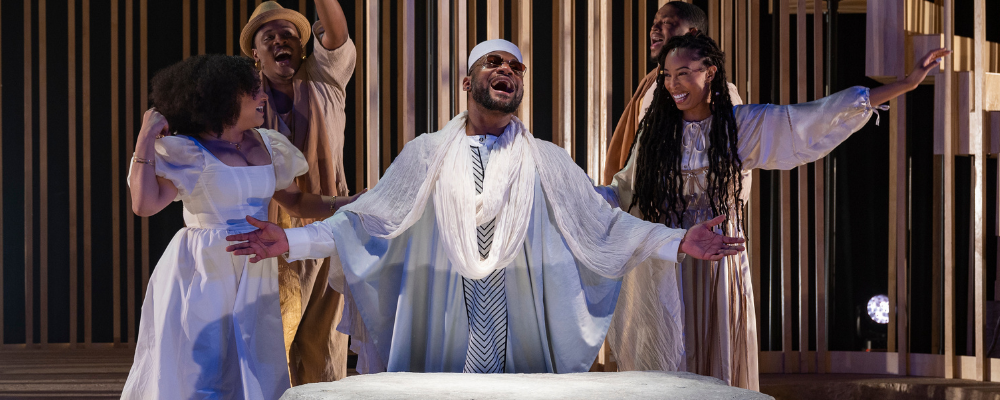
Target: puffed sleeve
(784,137)
(287,159)
(179,160)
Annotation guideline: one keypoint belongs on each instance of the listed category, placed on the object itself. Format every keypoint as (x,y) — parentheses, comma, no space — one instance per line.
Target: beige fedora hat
(269,11)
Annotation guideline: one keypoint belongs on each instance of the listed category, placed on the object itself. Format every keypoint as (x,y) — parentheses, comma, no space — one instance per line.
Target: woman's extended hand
(924,66)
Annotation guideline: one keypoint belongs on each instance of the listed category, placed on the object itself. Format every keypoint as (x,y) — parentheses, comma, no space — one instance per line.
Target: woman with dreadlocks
(691,162)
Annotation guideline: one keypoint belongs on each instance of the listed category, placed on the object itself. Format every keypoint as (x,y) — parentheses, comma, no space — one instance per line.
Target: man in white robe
(483,249)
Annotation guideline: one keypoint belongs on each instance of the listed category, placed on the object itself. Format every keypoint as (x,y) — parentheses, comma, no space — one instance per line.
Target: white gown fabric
(405,307)
(720,332)
(211,323)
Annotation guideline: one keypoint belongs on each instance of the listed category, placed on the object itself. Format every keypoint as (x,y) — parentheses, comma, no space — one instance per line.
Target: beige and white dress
(717,310)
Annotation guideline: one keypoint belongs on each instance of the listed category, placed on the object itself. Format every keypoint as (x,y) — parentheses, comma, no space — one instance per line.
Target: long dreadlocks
(659,181)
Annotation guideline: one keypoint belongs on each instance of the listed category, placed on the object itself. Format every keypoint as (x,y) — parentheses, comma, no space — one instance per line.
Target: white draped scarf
(608,241)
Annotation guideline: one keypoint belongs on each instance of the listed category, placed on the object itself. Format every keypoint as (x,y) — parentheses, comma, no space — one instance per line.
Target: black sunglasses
(495,61)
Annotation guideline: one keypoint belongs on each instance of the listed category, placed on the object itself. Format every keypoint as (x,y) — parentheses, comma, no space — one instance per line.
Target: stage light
(878,309)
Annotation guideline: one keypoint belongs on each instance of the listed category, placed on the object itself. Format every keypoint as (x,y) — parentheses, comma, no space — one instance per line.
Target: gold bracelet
(141,160)
(333,205)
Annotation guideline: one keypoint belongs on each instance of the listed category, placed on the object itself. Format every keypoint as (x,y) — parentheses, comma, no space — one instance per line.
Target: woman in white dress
(691,161)
(211,323)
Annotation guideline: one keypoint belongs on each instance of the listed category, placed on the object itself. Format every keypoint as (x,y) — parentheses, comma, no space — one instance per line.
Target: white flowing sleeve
(180,160)
(287,159)
(619,192)
(313,241)
(784,137)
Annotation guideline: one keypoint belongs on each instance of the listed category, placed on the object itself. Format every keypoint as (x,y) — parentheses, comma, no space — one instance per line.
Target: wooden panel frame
(980,144)
(29,253)
(406,90)
(521,25)
(564,99)
(372,100)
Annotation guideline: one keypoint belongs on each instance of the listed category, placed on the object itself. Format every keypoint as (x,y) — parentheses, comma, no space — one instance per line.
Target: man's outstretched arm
(312,241)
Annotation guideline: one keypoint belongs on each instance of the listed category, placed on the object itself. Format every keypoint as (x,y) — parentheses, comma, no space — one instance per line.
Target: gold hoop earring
(303,56)
(256,64)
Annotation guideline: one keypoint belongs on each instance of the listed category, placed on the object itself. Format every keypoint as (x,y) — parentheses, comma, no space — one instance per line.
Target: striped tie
(485,300)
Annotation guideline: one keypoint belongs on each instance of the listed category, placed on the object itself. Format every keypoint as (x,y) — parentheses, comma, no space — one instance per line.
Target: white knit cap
(490,46)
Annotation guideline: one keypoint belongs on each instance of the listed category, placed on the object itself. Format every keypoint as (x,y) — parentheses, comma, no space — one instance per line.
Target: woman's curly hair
(203,94)
(659,181)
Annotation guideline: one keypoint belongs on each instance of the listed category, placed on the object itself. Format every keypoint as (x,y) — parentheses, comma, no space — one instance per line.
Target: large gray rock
(587,385)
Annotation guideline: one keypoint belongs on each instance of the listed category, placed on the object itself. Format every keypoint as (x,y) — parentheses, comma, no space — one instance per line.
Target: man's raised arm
(312,241)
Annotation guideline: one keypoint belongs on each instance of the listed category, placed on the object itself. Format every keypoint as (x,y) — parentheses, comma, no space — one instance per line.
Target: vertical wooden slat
(753,96)
(893,46)
(801,58)
(43,176)
(302,7)
(949,192)
(521,25)
(359,95)
(713,21)
(1,197)
(444,73)
(742,32)
(897,232)
(472,23)
(244,17)
(820,200)
(143,103)
(818,49)
(599,84)
(642,43)
(71,144)
(805,365)
(462,47)
(116,263)
(502,17)
(29,253)
(801,85)
(563,72)
(494,13)
(593,82)
(753,56)
(372,101)
(229,28)
(628,69)
(87,202)
(790,362)
(407,95)
(385,88)
(186,29)
(130,148)
(980,142)
(201,26)
(604,129)
(726,33)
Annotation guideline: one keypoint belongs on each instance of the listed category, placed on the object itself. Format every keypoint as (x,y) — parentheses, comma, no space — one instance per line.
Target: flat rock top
(587,385)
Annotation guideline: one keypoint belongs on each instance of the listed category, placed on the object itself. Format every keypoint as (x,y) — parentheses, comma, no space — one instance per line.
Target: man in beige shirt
(306,103)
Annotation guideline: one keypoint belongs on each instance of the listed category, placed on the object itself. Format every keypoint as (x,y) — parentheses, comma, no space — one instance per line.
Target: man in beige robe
(306,103)
(672,19)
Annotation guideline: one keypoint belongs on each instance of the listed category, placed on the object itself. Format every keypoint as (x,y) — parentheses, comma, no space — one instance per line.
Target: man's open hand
(702,243)
(267,241)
